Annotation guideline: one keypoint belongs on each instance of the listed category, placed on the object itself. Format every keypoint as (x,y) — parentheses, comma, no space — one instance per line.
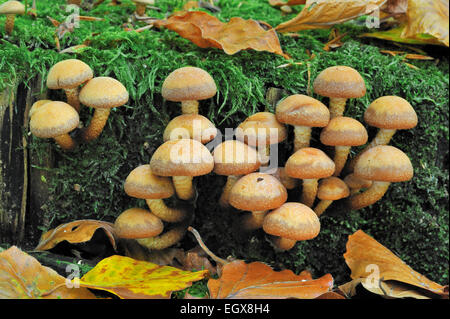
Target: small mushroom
(190,126)
(383,165)
(389,114)
(141,6)
(343,133)
(136,223)
(287,181)
(330,189)
(36,106)
(10,9)
(69,75)
(261,130)
(142,183)
(233,159)
(339,83)
(309,164)
(289,223)
(188,85)
(182,159)
(102,94)
(356,184)
(55,120)
(304,113)
(258,193)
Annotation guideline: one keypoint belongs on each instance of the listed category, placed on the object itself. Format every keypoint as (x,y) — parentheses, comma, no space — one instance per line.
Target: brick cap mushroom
(137,223)
(10,9)
(330,189)
(190,126)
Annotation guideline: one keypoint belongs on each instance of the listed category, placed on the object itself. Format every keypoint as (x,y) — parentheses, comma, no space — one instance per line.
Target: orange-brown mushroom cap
(68,74)
(103,92)
(340,82)
(356,183)
(344,131)
(137,223)
(53,119)
(391,112)
(302,110)
(293,221)
(261,128)
(233,157)
(309,163)
(142,183)
(36,106)
(332,188)
(190,126)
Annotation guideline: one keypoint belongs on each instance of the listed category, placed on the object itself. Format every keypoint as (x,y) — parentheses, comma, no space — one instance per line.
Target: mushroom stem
(165,240)
(322,206)
(264,154)
(65,142)
(337,107)
(231,180)
(189,107)
(254,220)
(183,187)
(370,196)
(281,243)
(72,98)
(96,125)
(140,9)
(383,137)
(302,136)
(167,214)
(340,158)
(197,236)
(9,23)
(309,192)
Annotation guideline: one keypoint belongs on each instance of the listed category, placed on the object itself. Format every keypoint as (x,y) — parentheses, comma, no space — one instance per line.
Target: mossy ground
(412,219)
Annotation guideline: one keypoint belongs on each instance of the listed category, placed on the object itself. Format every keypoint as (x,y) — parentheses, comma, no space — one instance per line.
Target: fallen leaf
(207,31)
(395,35)
(375,266)
(129,278)
(331,295)
(411,56)
(23,277)
(257,280)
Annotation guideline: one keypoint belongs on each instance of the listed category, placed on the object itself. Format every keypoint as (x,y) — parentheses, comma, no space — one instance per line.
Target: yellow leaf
(395,35)
(130,278)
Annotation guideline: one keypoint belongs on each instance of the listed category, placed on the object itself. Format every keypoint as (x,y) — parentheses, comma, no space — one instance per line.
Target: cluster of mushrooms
(168,177)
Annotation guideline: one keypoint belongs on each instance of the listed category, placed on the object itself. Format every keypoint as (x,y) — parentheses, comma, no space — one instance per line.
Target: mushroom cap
(233,157)
(309,163)
(53,119)
(193,126)
(384,163)
(142,183)
(257,192)
(391,112)
(354,182)
(68,74)
(36,106)
(344,131)
(137,223)
(144,1)
(261,128)
(103,92)
(332,188)
(293,221)
(340,82)
(183,157)
(187,84)
(302,110)
(12,7)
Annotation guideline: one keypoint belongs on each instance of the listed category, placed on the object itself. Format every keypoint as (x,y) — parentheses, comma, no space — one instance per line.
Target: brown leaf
(78,231)
(331,295)
(257,280)
(207,31)
(23,277)
(371,263)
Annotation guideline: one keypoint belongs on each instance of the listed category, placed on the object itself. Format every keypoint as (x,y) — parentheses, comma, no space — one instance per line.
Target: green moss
(411,220)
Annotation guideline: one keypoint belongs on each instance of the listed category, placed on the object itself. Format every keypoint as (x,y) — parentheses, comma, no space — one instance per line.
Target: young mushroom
(141,6)
(182,159)
(55,120)
(142,183)
(343,132)
(10,9)
(233,159)
(289,223)
(388,114)
(304,113)
(309,164)
(339,83)
(136,223)
(69,75)
(330,189)
(102,94)
(383,165)
(190,126)
(258,193)
(355,184)
(188,85)
(261,130)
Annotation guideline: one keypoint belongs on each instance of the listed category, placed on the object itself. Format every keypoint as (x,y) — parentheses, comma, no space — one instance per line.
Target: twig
(207,251)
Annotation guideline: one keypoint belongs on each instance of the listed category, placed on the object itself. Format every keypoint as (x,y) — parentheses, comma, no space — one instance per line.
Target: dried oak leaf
(132,279)
(238,34)
(23,277)
(78,231)
(257,280)
(382,272)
